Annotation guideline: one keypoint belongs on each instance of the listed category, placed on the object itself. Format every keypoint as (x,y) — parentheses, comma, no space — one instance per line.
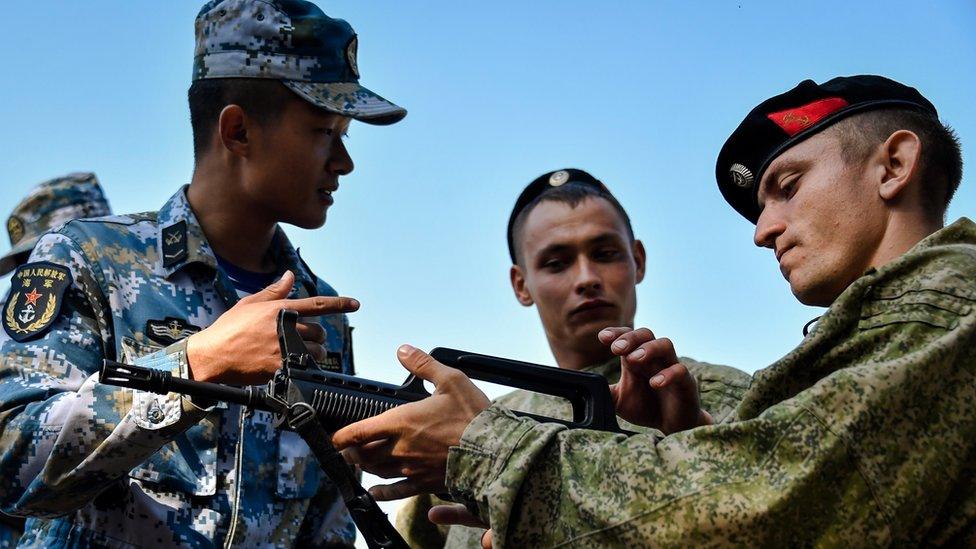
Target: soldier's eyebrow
(772,176)
(606,238)
(553,249)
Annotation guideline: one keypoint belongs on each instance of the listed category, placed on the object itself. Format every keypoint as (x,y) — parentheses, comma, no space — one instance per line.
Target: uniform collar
(181,242)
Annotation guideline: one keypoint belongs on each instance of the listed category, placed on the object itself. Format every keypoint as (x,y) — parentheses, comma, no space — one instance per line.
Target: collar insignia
(174,244)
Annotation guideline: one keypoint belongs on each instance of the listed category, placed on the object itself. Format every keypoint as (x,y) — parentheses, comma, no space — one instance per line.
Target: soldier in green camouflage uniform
(861,436)
(572,199)
(192,289)
(46,206)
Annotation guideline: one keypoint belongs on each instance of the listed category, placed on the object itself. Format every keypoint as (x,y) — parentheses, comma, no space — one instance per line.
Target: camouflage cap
(48,205)
(292,41)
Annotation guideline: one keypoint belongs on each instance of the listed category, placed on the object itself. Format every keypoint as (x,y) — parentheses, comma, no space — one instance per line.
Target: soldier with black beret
(863,435)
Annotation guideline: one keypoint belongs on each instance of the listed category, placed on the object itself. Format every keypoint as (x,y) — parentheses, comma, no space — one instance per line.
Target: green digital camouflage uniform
(720,389)
(864,435)
(99,465)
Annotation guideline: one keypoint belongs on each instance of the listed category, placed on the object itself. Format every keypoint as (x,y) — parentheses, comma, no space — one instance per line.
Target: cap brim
(9,260)
(349,99)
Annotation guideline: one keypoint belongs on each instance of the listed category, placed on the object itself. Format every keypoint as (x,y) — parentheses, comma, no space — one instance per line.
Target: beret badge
(558,178)
(741,176)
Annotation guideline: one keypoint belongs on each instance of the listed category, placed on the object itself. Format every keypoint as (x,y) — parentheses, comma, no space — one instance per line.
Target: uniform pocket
(188,464)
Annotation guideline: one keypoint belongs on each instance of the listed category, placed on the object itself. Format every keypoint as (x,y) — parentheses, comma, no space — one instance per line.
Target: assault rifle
(314,403)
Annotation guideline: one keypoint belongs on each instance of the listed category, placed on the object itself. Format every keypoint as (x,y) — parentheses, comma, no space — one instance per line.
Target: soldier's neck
(237,231)
(571,358)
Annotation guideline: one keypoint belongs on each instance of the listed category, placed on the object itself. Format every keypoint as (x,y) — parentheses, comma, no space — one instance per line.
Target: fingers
(370,429)
(629,341)
(676,374)
(278,289)
(454,514)
(311,331)
(318,352)
(658,353)
(486,540)
(376,458)
(424,366)
(398,490)
(607,335)
(319,305)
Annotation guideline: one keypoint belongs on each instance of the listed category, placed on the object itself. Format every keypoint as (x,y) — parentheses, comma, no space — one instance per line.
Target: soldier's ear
(899,159)
(232,130)
(640,258)
(518,285)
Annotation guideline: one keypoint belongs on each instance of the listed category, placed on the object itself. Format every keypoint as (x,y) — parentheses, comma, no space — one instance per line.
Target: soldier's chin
(814,294)
(312,221)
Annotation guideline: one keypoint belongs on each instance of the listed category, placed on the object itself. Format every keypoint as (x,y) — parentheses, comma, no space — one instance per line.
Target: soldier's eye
(789,186)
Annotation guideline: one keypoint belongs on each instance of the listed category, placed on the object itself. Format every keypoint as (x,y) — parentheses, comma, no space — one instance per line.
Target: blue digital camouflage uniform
(720,389)
(862,436)
(93,464)
(46,206)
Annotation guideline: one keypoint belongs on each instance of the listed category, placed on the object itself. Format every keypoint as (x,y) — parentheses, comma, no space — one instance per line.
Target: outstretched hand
(412,440)
(655,389)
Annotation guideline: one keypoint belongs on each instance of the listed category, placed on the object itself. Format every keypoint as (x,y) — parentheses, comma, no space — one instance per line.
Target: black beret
(543,183)
(787,119)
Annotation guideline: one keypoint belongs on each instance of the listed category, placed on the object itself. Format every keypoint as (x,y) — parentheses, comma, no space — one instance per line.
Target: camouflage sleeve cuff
(152,411)
(486,446)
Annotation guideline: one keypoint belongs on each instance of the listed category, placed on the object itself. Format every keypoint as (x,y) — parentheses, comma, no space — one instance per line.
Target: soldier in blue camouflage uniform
(193,289)
(46,206)
(862,436)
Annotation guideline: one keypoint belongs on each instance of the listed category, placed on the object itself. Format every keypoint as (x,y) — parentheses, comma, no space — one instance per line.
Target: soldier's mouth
(326,196)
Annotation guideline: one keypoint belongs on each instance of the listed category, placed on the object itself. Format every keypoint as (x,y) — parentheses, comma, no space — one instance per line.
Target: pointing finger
(320,305)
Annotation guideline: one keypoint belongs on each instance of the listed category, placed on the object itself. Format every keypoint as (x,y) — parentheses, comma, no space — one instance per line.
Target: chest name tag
(36,295)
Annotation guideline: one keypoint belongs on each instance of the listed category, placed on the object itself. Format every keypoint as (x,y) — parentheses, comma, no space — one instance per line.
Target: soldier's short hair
(572,193)
(941,157)
(263,100)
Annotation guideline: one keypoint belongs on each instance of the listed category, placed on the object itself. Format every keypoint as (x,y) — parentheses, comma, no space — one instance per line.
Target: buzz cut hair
(262,99)
(940,170)
(572,193)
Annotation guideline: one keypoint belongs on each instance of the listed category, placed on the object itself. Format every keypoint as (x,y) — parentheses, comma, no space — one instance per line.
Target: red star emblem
(32,297)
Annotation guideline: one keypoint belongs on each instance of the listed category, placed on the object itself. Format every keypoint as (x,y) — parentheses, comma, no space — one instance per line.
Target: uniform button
(155,414)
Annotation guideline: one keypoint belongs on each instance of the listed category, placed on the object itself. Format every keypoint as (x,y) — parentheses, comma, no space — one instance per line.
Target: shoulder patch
(36,294)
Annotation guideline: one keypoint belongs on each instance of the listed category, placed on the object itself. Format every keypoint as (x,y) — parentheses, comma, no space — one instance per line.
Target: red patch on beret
(794,121)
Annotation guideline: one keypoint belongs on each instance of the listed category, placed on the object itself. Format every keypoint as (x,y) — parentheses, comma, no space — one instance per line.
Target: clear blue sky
(641,94)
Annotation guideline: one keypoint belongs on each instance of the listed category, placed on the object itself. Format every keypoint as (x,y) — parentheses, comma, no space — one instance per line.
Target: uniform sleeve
(877,452)
(720,388)
(66,437)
